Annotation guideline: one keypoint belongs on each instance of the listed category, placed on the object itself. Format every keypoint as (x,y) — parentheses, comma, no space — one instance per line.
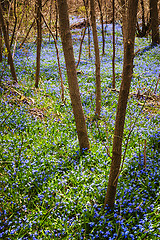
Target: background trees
(49,189)
(6,39)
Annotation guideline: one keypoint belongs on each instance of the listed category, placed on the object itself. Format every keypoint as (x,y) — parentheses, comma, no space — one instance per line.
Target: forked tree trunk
(97,58)
(39,39)
(10,60)
(88,25)
(154,21)
(122,102)
(72,74)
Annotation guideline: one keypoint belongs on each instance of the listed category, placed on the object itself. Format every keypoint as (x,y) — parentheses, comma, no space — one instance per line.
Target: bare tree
(97,58)
(72,74)
(5,35)
(39,39)
(122,102)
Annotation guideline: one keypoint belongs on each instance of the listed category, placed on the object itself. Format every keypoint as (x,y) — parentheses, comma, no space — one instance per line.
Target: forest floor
(49,190)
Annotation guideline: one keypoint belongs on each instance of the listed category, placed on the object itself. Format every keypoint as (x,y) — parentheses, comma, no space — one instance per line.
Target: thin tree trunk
(27,33)
(10,60)
(32,24)
(88,25)
(113,58)
(72,74)
(15,23)
(39,40)
(80,49)
(122,103)
(57,53)
(97,59)
(102,27)
(0,43)
(56,23)
(154,21)
(50,17)
(124,18)
(17,34)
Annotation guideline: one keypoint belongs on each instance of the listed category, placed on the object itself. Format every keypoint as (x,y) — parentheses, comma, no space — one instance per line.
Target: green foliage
(49,190)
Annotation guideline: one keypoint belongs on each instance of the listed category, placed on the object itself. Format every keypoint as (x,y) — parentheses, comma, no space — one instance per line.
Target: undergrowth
(49,190)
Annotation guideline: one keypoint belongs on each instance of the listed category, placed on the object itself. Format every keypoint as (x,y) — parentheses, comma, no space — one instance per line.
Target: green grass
(49,190)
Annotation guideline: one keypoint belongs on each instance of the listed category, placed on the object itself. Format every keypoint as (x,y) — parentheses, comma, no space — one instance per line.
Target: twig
(157,84)
(27,34)
(7,116)
(106,147)
(126,145)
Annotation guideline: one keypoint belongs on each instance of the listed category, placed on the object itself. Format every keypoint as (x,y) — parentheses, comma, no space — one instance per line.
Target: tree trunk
(56,22)
(39,40)
(0,43)
(50,17)
(10,60)
(72,74)
(124,18)
(154,21)
(114,49)
(85,2)
(57,53)
(15,24)
(102,27)
(97,58)
(122,102)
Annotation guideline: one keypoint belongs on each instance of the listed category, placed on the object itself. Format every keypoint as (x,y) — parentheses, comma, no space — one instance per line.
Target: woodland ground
(51,191)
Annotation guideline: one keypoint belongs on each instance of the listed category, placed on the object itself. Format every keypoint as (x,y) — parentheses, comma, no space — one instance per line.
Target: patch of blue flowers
(49,190)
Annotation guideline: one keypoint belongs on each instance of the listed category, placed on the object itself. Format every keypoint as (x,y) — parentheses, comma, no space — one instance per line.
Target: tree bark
(72,74)
(154,21)
(10,60)
(97,58)
(39,40)
(85,2)
(124,18)
(15,23)
(56,22)
(102,27)
(122,103)
(114,48)
(0,43)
